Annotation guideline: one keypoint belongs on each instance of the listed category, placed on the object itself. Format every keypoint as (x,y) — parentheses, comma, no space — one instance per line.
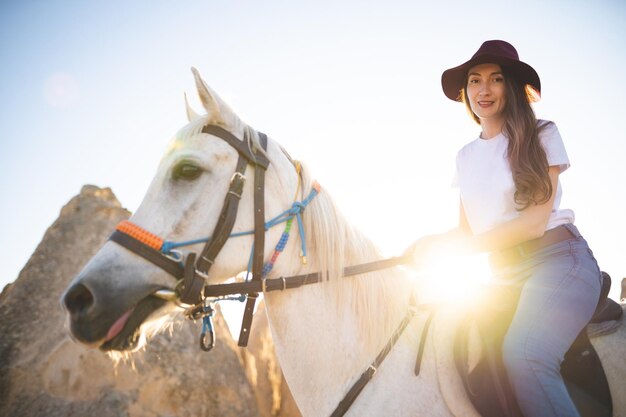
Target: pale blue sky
(93,91)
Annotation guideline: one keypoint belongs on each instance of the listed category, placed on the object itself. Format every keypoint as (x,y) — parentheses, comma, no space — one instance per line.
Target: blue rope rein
(296,211)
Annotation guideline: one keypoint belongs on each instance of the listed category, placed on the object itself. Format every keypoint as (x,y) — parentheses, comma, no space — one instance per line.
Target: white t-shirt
(484,178)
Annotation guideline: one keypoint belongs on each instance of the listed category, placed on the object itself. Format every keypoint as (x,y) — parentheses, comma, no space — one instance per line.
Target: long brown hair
(527,158)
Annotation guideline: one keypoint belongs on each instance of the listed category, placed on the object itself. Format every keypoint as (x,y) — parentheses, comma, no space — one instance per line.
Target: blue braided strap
(295,211)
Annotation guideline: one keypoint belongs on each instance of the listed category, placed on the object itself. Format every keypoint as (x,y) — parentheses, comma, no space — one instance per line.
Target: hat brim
(453,79)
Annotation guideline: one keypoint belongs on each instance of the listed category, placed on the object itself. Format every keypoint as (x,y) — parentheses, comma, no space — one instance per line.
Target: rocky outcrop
(44,373)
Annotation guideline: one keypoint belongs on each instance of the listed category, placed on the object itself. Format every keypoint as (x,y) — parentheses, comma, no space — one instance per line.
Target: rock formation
(42,372)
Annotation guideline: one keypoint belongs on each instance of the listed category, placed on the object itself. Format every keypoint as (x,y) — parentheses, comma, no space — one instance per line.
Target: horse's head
(113,301)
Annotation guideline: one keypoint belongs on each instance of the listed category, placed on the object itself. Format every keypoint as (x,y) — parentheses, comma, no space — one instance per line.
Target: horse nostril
(78,299)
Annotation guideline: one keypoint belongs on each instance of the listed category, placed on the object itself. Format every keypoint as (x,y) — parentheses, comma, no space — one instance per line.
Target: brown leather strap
(423,337)
(259,215)
(296,281)
(220,235)
(192,284)
(520,252)
(550,237)
(226,220)
(259,245)
(242,147)
(169,265)
(228,215)
(347,401)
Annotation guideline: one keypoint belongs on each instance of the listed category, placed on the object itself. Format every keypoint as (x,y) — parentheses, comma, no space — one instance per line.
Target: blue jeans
(561,286)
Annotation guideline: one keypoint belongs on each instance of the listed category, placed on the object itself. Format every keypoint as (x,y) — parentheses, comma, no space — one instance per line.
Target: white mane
(377,299)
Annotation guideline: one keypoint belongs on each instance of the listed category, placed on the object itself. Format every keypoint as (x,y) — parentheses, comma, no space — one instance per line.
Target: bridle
(192,272)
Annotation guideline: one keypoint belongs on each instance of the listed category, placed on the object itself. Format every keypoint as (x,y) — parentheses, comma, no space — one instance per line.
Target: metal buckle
(237,175)
(202,275)
(166,294)
(174,255)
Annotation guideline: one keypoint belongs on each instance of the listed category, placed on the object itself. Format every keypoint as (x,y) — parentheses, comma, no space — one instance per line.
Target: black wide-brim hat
(490,52)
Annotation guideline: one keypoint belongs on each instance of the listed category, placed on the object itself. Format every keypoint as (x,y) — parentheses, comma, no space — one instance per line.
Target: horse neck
(327,333)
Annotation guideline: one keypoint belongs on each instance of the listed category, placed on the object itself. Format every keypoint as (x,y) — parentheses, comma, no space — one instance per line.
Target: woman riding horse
(510,207)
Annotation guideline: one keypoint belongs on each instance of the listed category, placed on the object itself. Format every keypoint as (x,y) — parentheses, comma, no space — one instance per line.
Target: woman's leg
(556,302)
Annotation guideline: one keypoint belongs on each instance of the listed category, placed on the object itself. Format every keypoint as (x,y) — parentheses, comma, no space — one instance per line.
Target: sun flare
(453,280)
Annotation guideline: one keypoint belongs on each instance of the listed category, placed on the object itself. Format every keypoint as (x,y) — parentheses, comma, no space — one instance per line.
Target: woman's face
(486,92)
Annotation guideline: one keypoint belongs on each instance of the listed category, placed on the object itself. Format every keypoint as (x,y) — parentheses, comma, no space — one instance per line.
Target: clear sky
(92,92)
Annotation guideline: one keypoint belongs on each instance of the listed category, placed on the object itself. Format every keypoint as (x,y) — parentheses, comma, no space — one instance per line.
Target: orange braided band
(137,233)
(316,186)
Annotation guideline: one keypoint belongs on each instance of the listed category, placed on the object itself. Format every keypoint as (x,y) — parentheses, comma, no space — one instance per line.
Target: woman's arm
(530,224)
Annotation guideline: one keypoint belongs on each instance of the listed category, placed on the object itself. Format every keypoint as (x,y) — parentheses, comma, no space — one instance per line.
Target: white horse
(326,335)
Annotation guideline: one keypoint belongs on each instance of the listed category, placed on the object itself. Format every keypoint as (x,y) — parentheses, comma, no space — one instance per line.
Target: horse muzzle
(102,316)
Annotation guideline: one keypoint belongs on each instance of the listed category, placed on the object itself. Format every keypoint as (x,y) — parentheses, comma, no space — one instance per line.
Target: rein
(296,281)
(192,271)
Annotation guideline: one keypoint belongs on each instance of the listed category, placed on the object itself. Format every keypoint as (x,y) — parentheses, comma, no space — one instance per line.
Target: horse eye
(186,170)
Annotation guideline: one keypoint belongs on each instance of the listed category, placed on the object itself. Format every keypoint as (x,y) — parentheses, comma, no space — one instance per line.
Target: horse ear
(191,114)
(211,101)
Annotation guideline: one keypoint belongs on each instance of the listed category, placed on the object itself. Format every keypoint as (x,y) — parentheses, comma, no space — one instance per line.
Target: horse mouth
(125,333)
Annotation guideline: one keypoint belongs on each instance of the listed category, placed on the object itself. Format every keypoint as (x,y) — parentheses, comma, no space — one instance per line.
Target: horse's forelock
(191,129)
(194,128)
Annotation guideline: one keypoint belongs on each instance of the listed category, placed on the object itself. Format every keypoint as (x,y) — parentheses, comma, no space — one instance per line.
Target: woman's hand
(418,253)
(430,248)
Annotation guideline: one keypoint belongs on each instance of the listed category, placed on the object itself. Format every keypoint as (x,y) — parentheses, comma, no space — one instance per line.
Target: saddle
(486,384)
